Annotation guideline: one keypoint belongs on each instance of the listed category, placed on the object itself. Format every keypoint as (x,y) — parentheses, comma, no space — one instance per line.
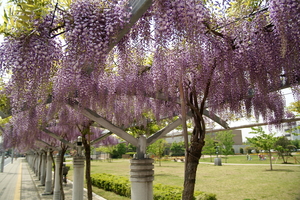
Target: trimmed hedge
(117,184)
(121,186)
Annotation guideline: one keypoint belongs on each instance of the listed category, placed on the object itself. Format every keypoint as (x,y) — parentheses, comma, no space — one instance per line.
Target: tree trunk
(193,153)
(85,131)
(270,155)
(63,151)
(192,158)
(284,158)
(53,164)
(87,149)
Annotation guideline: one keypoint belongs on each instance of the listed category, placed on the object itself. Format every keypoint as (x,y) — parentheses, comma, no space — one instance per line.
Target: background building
(291,132)
(238,139)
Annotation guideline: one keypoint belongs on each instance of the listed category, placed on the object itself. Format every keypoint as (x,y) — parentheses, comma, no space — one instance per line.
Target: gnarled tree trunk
(63,151)
(194,151)
(87,149)
(192,157)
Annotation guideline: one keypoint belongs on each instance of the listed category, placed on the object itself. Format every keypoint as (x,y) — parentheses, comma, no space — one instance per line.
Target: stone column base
(141,177)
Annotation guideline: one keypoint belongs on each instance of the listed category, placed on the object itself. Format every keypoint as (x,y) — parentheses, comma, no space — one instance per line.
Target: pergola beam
(50,133)
(139,7)
(105,123)
(242,126)
(45,143)
(161,133)
(253,125)
(102,137)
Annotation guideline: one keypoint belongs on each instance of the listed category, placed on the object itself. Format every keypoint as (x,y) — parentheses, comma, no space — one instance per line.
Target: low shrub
(166,192)
(117,184)
(121,186)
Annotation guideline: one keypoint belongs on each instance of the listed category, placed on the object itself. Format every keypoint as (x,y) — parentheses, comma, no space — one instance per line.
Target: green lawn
(242,159)
(229,181)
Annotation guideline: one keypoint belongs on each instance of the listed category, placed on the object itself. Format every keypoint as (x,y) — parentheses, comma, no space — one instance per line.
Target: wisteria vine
(173,42)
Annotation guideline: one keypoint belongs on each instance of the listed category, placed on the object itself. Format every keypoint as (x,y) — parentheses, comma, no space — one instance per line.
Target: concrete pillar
(48,181)
(28,158)
(39,166)
(141,173)
(31,158)
(218,162)
(12,156)
(78,177)
(2,162)
(141,177)
(43,168)
(33,162)
(141,147)
(36,164)
(57,192)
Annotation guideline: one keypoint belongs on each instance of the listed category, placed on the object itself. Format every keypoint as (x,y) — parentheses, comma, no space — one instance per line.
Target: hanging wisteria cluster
(90,27)
(239,67)
(284,15)
(173,19)
(32,60)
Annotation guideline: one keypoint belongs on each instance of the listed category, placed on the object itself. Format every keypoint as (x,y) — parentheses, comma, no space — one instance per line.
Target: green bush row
(117,184)
(121,186)
(167,192)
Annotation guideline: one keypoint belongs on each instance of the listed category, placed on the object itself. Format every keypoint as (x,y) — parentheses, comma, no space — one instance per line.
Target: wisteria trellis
(237,68)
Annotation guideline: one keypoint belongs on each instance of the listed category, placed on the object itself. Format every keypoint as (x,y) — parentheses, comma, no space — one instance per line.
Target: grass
(229,181)
(242,159)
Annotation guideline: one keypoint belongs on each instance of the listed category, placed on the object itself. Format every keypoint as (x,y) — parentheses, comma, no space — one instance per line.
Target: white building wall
(290,135)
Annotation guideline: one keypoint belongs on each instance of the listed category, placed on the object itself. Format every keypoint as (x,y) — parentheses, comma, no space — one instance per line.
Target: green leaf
(24,18)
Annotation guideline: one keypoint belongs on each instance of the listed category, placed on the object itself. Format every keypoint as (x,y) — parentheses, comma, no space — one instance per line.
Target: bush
(121,186)
(166,192)
(241,150)
(205,196)
(117,184)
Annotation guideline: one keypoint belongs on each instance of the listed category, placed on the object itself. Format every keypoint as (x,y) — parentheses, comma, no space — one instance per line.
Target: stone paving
(66,186)
(18,181)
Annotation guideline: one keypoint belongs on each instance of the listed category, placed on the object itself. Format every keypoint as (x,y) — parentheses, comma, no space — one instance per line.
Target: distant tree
(107,149)
(284,148)
(241,150)
(225,139)
(157,149)
(249,149)
(177,148)
(295,107)
(130,150)
(209,147)
(5,107)
(296,143)
(119,150)
(263,140)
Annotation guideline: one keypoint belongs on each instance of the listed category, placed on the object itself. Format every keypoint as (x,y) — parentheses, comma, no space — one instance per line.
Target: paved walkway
(18,182)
